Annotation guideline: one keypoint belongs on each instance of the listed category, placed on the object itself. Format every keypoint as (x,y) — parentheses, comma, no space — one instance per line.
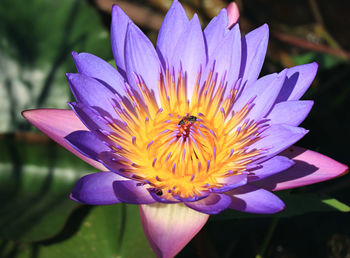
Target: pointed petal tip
(282,208)
(342,170)
(278,208)
(26,113)
(309,102)
(133,32)
(232,14)
(314,64)
(253,199)
(74,199)
(56,124)
(34,115)
(69,76)
(311,68)
(310,168)
(169,227)
(265,27)
(96,189)
(175,4)
(116,8)
(195,17)
(265,31)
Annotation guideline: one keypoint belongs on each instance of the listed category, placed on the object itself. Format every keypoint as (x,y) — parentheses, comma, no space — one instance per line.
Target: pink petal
(58,123)
(310,168)
(232,14)
(169,227)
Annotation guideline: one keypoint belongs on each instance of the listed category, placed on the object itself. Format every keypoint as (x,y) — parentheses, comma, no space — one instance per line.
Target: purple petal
(270,167)
(310,168)
(233,72)
(119,25)
(169,227)
(141,59)
(254,90)
(231,182)
(96,189)
(90,117)
(92,93)
(57,124)
(174,24)
(215,31)
(201,195)
(299,79)
(290,112)
(114,163)
(265,97)
(99,69)
(277,138)
(254,46)
(190,53)
(213,204)
(87,143)
(130,192)
(226,54)
(252,199)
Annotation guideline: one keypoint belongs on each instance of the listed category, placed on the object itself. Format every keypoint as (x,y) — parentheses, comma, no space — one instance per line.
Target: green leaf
(337,205)
(35,53)
(105,231)
(36,177)
(108,231)
(112,63)
(324,60)
(35,182)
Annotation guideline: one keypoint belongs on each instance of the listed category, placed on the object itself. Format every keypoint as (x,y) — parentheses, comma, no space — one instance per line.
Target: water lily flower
(186,129)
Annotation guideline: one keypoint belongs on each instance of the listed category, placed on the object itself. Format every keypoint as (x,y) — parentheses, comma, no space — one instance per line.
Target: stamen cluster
(187,148)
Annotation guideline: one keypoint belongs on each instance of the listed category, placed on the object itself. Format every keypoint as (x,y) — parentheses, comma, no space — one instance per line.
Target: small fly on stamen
(186,119)
(159,192)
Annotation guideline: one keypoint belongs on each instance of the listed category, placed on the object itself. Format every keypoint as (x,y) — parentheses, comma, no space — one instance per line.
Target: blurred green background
(37,219)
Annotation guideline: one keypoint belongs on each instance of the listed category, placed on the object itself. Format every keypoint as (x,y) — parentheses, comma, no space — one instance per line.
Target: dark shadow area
(299,170)
(122,227)
(71,227)
(25,212)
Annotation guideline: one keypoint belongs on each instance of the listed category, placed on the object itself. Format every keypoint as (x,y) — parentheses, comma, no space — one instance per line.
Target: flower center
(187,148)
(185,126)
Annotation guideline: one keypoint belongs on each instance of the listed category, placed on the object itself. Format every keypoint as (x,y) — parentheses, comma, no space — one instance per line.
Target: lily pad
(35,182)
(100,231)
(108,231)
(35,53)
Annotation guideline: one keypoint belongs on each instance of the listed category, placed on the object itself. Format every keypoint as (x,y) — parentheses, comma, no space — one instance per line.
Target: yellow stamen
(186,147)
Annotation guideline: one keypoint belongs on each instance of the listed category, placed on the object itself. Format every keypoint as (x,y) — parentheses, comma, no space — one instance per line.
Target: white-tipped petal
(57,124)
(169,227)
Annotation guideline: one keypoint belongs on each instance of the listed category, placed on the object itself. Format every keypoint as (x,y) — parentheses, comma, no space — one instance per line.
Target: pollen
(181,148)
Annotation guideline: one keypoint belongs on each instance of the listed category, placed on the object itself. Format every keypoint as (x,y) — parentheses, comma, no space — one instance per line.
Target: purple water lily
(186,129)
